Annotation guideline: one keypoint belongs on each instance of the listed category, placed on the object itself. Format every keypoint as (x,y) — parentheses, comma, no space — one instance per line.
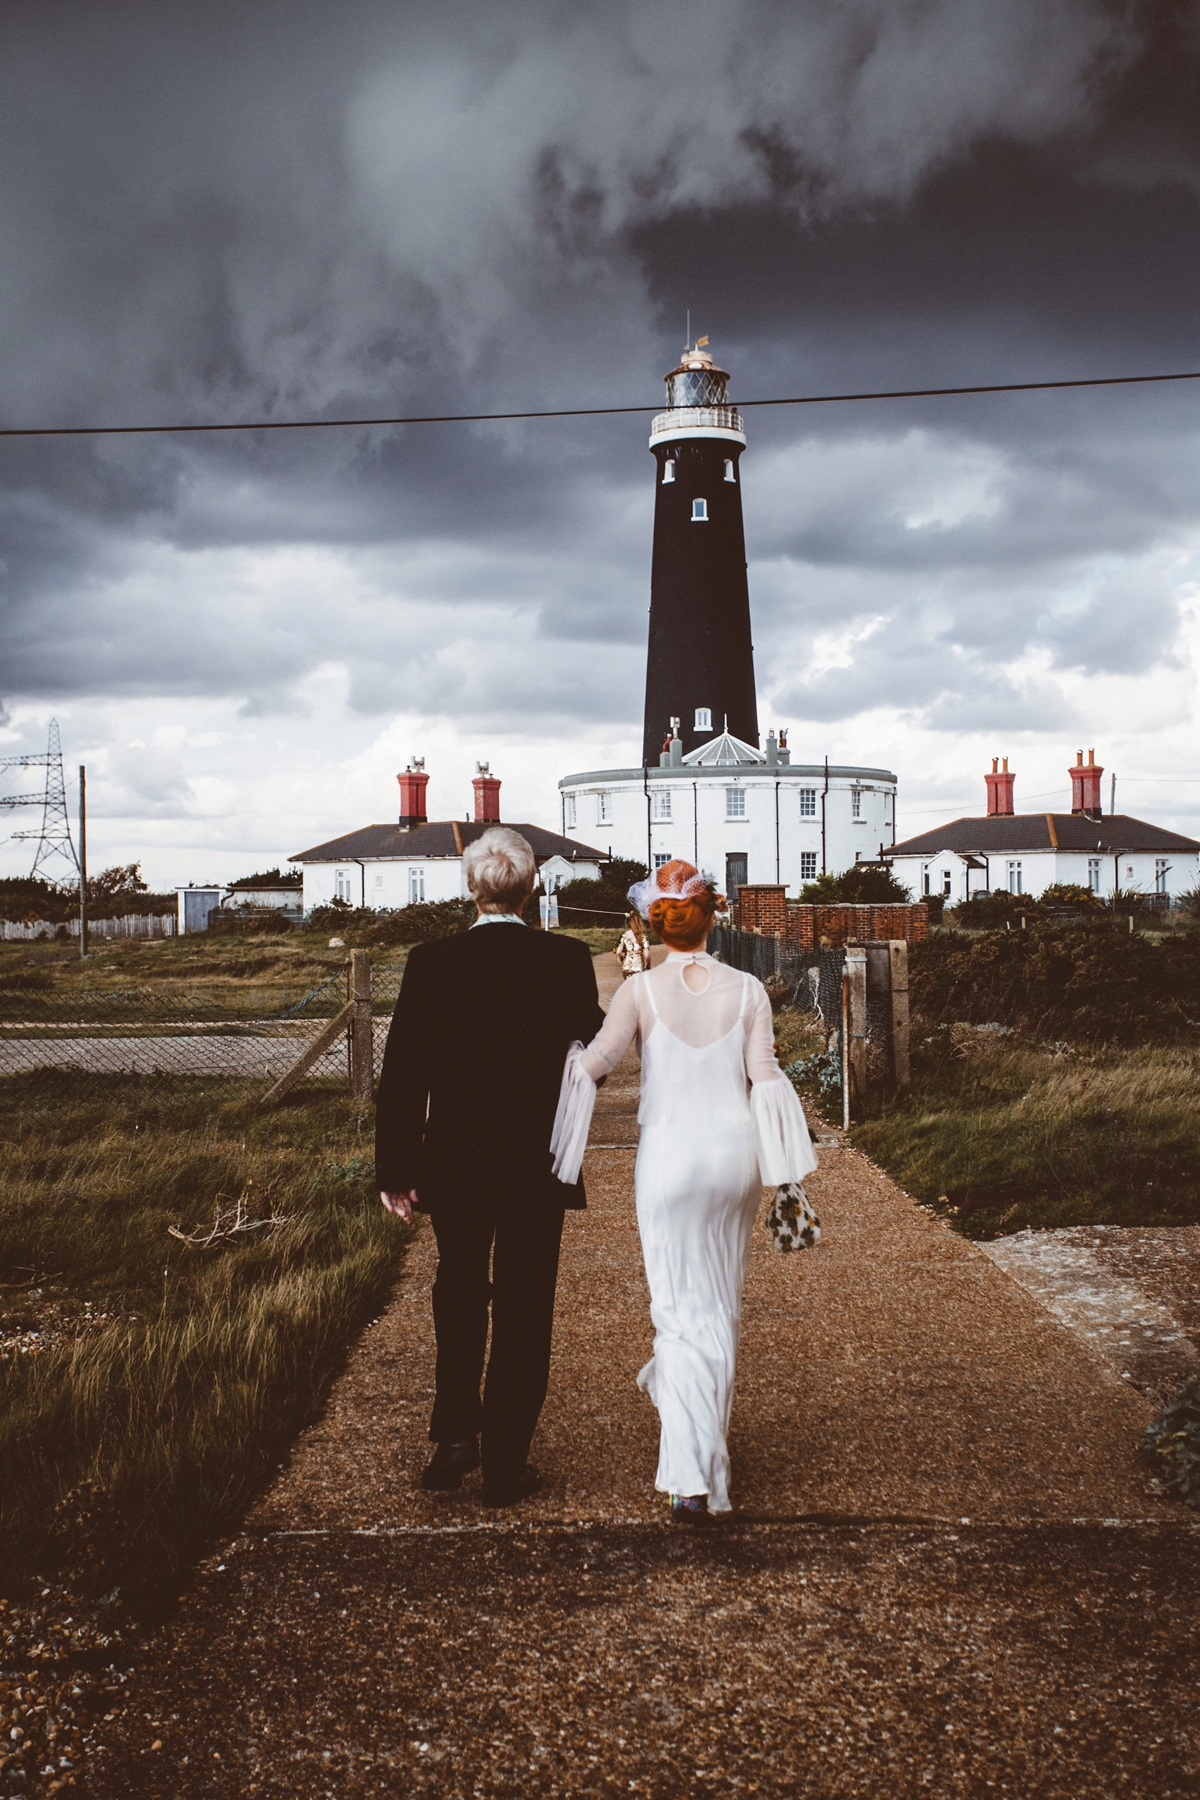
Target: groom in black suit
(464,1115)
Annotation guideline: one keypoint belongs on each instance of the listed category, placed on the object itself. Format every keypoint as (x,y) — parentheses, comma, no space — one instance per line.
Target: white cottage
(1025,853)
(418,859)
(740,814)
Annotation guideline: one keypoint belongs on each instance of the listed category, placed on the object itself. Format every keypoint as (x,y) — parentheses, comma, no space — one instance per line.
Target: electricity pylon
(54,839)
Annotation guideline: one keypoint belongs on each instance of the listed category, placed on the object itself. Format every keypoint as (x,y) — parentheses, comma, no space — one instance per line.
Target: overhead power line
(580,412)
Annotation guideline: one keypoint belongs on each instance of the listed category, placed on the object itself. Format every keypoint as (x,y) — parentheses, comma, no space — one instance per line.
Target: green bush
(1082,982)
(1173,1439)
(406,925)
(601,904)
(864,884)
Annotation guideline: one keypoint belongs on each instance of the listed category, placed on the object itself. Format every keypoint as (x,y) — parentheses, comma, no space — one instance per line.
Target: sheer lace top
(698,1000)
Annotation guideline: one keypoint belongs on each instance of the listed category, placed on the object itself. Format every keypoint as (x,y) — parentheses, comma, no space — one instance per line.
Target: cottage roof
(438,838)
(999,833)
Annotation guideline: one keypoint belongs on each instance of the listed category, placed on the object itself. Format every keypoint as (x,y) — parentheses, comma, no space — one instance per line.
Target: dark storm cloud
(271,210)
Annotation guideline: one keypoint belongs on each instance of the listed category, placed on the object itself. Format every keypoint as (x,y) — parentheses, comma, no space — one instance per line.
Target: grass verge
(1001,1134)
(170,1377)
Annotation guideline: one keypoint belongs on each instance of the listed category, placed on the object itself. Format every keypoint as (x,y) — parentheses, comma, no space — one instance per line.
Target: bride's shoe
(690,1509)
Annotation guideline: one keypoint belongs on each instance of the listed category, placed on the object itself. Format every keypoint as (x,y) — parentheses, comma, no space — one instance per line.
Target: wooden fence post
(901,1066)
(856,1010)
(362,1045)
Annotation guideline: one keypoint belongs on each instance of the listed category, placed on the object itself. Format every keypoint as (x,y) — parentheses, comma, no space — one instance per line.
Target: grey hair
(500,869)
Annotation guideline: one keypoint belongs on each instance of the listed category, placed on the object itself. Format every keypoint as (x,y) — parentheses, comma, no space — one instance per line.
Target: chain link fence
(247,1035)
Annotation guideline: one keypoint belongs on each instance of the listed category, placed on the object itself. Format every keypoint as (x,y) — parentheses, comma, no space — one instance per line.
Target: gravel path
(947,1572)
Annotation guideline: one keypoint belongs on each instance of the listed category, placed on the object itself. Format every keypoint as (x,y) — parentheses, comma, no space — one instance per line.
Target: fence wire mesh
(249,1034)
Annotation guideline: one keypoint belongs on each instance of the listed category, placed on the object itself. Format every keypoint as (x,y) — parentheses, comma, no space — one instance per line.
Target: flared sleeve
(785,1149)
(572,1121)
(581,1071)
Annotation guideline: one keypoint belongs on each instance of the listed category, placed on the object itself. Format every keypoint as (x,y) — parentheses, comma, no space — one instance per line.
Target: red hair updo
(682,923)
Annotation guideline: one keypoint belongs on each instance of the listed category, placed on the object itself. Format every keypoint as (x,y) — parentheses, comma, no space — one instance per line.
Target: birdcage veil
(678,886)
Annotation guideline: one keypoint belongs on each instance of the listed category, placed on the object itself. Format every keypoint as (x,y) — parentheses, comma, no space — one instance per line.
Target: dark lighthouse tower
(700,663)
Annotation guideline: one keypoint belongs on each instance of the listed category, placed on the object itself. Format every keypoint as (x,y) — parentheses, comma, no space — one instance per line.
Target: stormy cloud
(266,211)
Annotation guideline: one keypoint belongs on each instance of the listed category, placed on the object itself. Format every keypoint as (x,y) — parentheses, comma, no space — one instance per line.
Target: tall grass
(1019,1135)
(123,1452)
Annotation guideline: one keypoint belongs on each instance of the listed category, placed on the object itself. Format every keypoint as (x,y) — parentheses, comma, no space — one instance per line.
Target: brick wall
(807,925)
(762,909)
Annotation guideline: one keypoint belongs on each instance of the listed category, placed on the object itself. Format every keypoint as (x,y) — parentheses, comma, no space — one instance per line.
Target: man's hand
(401,1204)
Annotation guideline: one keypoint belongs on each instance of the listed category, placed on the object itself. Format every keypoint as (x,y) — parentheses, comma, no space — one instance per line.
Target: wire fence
(249,1034)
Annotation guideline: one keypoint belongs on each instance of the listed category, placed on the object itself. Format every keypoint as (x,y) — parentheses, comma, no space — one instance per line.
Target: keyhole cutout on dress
(696,978)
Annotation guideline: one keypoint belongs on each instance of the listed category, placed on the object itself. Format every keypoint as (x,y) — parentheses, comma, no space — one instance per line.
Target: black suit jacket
(474,1063)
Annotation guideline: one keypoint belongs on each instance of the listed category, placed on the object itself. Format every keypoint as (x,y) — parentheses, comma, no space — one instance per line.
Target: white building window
(668,472)
(660,804)
(808,803)
(604,809)
(341,883)
(570,812)
(1016,878)
(416,886)
(729,470)
(1161,867)
(1094,874)
(379,878)
(925,888)
(703,720)
(661,857)
(699,512)
(735,803)
(808,865)
(946,883)
(856,803)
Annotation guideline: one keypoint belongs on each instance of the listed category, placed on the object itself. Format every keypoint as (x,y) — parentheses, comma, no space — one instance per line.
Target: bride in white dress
(717,1119)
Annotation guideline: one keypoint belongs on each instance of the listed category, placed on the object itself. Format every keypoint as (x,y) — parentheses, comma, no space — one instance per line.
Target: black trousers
(519,1238)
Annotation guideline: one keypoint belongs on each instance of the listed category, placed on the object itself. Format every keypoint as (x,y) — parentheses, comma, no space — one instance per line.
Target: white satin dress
(717,1119)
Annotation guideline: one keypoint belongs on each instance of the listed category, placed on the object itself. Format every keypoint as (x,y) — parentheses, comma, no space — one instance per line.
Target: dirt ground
(948,1572)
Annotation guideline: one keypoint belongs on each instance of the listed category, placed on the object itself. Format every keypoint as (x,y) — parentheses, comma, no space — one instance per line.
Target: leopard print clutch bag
(791,1221)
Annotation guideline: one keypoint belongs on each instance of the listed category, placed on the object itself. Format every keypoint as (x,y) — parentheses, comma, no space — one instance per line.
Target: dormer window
(668,472)
(703,719)
(699,512)
(729,474)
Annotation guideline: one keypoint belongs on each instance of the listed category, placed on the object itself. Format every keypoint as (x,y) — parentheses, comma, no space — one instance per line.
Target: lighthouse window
(699,512)
(729,474)
(662,804)
(808,803)
(668,472)
(703,719)
(808,865)
(735,803)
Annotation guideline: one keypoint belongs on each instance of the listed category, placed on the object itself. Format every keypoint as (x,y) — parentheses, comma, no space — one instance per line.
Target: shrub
(602,903)
(406,925)
(1174,1439)
(264,921)
(864,884)
(1085,982)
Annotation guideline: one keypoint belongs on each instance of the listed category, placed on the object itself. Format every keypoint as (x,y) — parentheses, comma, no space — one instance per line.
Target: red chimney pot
(413,782)
(1085,785)
(999,789)
(487,795)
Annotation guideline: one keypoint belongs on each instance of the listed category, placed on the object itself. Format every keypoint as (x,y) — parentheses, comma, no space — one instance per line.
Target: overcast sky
(277,209)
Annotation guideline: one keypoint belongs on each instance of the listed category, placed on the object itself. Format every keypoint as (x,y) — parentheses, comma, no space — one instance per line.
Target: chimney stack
(413,783)
(999,789)
(1085,785)
(487,795)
